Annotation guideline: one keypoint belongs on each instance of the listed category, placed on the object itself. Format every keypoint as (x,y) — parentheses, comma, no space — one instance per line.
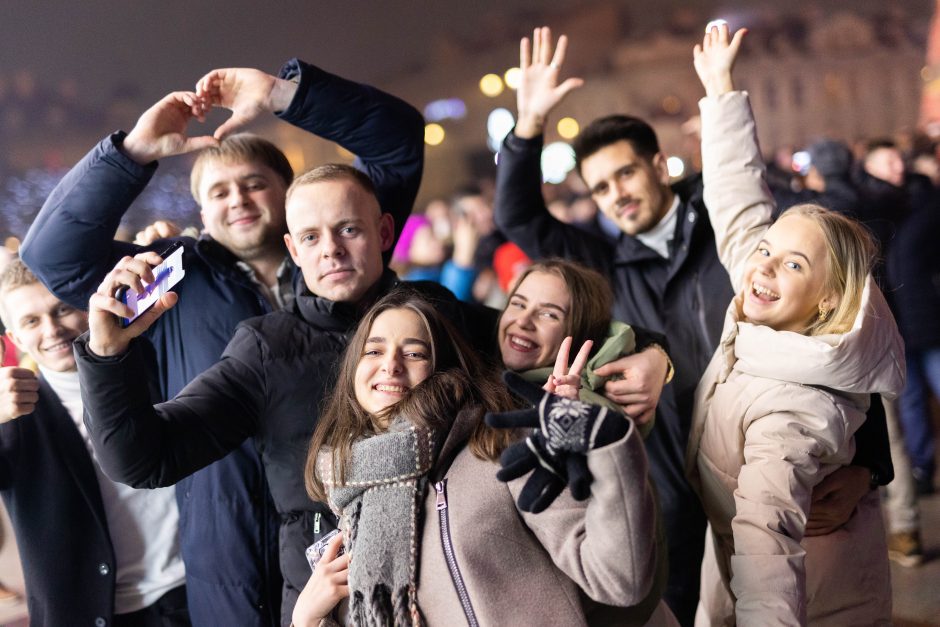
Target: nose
(766,266)
(51,327)
(525,320)
(238,196)
(331,245)
(392,363)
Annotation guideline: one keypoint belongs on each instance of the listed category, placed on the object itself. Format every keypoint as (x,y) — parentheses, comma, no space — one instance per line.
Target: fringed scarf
(380,504)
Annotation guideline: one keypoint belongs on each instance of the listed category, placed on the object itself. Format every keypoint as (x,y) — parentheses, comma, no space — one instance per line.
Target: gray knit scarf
(380,504)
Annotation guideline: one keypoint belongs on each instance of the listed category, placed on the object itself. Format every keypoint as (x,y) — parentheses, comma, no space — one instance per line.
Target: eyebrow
(791,252)
(408,340)
(546,304)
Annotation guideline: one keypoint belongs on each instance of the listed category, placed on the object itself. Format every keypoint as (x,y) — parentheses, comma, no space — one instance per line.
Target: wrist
(670,369)
(105,349)
(529,126)
(719,85)
(282,94)
(137,149)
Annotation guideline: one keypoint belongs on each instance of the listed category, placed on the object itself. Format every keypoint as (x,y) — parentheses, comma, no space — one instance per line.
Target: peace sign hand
(563,381)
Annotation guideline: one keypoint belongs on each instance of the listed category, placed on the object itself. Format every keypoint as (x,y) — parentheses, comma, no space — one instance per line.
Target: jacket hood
(867,359)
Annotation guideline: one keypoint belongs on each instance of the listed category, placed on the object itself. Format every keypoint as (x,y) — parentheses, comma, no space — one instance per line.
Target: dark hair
(591,299)
(334,172)
(614,128)
(459,378)
(879,143)
(241,148)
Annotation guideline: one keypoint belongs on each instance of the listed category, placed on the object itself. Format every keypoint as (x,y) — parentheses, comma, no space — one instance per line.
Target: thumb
(165,303)
(607,370)
(569,85)
(230,126)
(193,144)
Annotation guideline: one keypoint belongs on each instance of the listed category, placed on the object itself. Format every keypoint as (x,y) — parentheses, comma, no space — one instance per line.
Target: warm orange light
(491,85)
(433,134)
(568,128)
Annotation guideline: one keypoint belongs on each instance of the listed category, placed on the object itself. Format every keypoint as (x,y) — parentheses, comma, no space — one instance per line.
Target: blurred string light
(491,85)
(498,124)
(513,77)
(676,166)
(433,134)
(568,128)
(445,109)
(557,161)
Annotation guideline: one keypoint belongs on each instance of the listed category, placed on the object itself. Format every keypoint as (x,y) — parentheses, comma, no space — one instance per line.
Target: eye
(349,231)
(793,265)
(518,304)
(217,195)
(308,238)
(371,352)
(549,314)
(416,355)
(63,310)
(599,190)
(763,252)
(29,323)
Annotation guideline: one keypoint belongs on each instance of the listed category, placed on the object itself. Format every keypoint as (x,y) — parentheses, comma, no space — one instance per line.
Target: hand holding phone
(316,550)
(134,286)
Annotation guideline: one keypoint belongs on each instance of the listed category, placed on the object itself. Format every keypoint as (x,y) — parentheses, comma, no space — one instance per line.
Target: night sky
(163,45)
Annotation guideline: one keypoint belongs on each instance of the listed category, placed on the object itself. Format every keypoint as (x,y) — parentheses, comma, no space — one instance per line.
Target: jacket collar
(689,191)
(338,316)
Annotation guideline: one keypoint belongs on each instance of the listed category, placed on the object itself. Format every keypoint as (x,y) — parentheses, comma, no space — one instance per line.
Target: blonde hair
(237,149)
(851,253)
(13,276)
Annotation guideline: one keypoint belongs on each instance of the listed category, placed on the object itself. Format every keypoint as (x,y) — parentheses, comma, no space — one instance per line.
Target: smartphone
(166,275)
(316,550)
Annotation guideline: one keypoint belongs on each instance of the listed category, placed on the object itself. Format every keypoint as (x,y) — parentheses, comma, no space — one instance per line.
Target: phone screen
(166,275)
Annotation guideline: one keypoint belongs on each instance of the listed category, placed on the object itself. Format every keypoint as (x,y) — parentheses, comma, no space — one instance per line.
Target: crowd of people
(349,412)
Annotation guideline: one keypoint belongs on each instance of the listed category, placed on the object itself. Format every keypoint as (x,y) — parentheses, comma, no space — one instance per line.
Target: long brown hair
(591,299)
(850,255)
(459,379)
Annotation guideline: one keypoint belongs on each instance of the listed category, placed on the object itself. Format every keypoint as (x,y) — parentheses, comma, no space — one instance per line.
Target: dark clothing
(269,385)
(228,521)
(51,492)
(684,297)
(841,195)
(914,279)
(168,611)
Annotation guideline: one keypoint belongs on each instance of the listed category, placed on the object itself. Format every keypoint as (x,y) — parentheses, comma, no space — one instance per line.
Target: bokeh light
(568,128)
(513,77)
(433,134)
(557,161)
(491,85)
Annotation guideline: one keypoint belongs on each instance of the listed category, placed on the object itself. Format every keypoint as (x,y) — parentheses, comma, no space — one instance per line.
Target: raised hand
(539,92)
(106,336)
(246,92)
(162,129)
(565,381)
(714,59)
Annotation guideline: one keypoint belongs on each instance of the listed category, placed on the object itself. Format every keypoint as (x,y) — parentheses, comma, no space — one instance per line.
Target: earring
(823,312)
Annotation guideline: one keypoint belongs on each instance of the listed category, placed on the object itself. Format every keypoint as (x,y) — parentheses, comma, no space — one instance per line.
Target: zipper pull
(441,487)
(316,522)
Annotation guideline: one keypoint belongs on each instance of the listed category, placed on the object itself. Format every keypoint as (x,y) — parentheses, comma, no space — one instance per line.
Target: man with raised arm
(666,277)
(237,269)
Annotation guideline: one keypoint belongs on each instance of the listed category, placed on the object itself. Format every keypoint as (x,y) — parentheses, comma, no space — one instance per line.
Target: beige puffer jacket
(776,413)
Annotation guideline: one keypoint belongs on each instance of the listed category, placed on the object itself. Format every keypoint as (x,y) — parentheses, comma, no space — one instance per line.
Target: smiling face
(43,326)
(629,189)
(534,322)
(785,277)
(396,357)
(242,207)
(337,236)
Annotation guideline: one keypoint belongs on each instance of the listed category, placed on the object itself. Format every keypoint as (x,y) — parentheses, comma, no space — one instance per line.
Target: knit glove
(556,450)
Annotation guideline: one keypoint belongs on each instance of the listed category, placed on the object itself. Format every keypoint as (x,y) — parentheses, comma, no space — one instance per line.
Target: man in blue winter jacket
(238,268)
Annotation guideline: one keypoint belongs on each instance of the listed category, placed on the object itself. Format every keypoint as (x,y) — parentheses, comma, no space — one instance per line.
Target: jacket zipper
(316,523)
(700,314)
(449,556)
